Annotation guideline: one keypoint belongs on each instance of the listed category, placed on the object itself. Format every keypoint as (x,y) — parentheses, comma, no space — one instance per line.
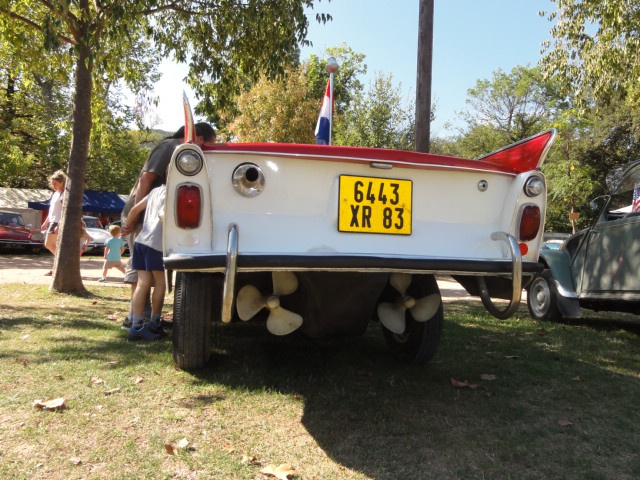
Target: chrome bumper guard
(516,279)
(229,286)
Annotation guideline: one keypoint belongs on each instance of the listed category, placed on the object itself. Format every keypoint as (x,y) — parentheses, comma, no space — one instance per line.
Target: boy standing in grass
(147,260)
(113,250)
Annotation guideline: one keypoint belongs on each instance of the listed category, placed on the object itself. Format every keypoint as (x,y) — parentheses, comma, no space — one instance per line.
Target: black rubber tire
(418,344)
(193,316)
(542,297)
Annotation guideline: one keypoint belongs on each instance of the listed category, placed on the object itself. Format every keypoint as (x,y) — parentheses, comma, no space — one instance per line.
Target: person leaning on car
(57,181)
(154,174)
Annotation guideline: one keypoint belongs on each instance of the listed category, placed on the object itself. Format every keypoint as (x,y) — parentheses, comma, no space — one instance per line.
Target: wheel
(418,343)
(193,315)
(542,297)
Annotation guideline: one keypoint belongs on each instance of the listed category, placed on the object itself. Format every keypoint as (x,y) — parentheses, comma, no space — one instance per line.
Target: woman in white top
(57,182)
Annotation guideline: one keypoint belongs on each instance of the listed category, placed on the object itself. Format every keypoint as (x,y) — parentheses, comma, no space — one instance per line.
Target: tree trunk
(66,265)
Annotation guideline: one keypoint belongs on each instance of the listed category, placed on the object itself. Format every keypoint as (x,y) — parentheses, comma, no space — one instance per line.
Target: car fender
(559,263)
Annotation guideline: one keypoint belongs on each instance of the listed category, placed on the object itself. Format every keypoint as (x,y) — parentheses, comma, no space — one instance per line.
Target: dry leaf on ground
(463,384)
(281,472)
(563,422)
(248,460)
(97,380)
(181,445)
(112,391)
(55,404)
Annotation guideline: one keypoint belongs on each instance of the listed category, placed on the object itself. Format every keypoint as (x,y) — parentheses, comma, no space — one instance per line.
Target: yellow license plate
(375,205)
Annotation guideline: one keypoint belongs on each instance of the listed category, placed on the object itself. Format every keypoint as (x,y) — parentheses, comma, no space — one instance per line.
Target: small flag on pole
(323,126)
(635,206)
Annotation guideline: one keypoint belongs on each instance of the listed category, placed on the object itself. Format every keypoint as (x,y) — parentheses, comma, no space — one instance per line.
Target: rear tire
(542,297)
(193,315)
(418,344)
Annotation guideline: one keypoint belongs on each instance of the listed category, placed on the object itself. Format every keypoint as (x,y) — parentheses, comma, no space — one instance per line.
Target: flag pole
(332,67)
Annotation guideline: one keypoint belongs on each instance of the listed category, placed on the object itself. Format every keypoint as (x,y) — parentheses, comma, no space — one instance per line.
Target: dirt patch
(31,269)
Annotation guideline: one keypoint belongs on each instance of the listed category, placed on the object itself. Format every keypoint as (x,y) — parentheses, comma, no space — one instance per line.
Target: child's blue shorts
(146,258)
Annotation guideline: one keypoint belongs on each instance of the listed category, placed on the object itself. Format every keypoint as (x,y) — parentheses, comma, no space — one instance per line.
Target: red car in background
(14,234)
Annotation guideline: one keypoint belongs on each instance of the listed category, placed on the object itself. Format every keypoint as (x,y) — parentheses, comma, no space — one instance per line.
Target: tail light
(530,221)
(188,206)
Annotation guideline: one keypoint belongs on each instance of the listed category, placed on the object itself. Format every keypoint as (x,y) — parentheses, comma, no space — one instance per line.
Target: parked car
(598,268)
(320,240)
(98,234)
(14,234)
(554,241)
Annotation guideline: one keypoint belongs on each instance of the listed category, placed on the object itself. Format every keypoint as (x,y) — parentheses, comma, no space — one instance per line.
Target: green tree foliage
(595,49)
(509,107)
(286,110)
(224,41)
(346,81)
(276,111)
(34,111)
(379,117)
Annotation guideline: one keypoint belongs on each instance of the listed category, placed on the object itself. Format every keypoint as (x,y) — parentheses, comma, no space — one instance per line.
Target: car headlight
(189,162)
(37,237)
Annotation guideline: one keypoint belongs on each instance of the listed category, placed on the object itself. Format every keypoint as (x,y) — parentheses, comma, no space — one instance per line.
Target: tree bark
(67,278)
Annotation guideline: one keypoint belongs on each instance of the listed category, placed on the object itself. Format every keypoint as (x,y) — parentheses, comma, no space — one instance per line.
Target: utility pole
(423,80)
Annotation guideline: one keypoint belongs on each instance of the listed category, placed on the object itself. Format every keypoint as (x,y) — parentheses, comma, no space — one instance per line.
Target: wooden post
(423,80)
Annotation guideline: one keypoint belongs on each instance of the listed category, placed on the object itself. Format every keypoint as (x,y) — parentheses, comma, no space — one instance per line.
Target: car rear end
(322,239)
(347,209)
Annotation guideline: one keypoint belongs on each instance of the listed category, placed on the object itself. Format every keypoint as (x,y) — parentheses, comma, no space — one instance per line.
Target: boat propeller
(280,321)
(392,314)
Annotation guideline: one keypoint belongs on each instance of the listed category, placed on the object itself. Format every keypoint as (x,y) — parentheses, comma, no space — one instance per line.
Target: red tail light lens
(188,206)
(530,221)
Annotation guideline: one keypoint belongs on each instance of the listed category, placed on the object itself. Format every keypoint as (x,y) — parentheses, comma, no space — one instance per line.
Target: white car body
(265,229)
(98,235)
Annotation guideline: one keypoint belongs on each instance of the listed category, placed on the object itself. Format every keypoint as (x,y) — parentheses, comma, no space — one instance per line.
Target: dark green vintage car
(599,267)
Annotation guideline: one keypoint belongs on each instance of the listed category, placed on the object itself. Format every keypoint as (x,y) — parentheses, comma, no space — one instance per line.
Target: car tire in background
(193,316)
(418,344)
(542,297)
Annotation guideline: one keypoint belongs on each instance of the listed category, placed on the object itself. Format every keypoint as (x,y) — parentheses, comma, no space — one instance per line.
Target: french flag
(323,127)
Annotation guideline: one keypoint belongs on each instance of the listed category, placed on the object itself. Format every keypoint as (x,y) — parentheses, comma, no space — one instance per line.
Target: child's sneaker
(127,323)
(103,279)
(156,328)
(142,333)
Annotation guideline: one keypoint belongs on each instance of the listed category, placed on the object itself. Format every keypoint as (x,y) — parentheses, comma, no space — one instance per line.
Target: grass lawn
(530,400)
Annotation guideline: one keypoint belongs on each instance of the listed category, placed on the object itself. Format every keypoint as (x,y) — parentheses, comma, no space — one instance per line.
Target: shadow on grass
(106,342)
(388,420)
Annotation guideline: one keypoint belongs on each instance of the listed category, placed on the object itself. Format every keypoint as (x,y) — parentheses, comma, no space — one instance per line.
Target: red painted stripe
(517,158)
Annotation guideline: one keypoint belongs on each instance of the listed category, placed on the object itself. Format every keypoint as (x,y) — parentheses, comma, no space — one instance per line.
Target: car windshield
(626,199)
(92,222)
(11,219)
